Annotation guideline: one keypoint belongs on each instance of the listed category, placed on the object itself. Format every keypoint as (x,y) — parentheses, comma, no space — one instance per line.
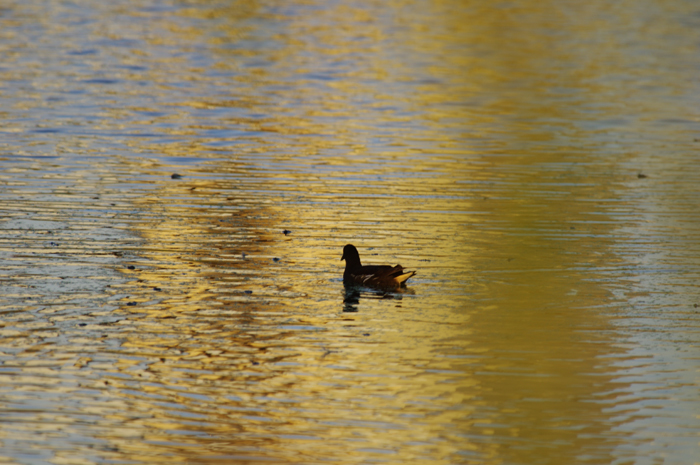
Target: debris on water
(275,259)
(248,291)
(286,232)
(157,289)
(82,324)
(641,176)
(243,255)
(53,244)
(176,176)
(131,267)
(131,304)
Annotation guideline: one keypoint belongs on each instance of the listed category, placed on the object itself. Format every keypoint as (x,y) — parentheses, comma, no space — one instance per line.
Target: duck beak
(343,257)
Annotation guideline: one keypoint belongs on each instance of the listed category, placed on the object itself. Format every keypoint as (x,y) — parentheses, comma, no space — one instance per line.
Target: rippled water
(536,162)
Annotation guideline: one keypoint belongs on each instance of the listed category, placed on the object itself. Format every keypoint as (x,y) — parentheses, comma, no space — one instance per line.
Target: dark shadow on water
(352,294)
(351,299)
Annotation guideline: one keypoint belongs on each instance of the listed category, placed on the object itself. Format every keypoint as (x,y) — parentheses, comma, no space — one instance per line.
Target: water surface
(535,162)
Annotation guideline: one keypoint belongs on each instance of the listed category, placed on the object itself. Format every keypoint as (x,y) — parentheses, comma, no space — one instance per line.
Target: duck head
(351,256)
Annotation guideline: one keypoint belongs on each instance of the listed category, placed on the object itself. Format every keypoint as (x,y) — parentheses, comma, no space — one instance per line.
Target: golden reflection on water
(244,298)
(478,144)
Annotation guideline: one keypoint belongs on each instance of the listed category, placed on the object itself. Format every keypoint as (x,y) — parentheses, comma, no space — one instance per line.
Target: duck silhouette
(379,276)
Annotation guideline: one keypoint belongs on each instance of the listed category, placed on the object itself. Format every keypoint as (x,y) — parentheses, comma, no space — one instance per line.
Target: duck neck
(352,264)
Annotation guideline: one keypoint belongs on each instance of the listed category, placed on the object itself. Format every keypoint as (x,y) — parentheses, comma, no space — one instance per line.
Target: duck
(380,276)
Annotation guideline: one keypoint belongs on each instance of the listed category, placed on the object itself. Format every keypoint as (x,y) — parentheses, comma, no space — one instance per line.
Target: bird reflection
(351,300)
(352,294)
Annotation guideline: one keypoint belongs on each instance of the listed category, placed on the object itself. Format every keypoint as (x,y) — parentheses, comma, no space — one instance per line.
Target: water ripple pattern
(178,180)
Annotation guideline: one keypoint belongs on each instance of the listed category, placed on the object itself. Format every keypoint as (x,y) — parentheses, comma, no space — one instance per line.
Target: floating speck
(176,176)
(248,291)
(157,289)
(641,176)
(131,304)
(131,267)
(276,259)
(286,232)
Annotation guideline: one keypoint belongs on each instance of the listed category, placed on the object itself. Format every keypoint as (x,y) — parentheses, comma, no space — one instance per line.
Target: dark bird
(382,276)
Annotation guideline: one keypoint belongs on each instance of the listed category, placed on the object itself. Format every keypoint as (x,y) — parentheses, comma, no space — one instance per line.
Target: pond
(178,180)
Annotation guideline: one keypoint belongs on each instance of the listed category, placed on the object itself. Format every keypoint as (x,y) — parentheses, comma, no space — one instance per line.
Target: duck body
(379,276)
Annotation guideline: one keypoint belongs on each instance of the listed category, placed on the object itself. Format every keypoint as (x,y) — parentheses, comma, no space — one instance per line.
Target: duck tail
(402,278)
